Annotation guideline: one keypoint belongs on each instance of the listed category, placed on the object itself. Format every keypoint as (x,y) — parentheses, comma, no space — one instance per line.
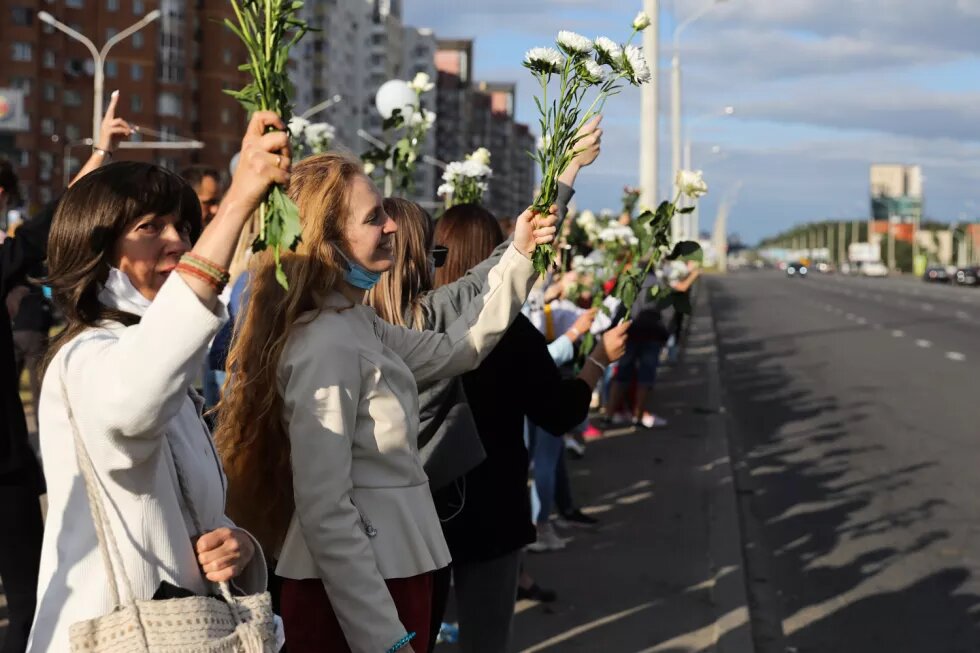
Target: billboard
(13,117)
(896,192)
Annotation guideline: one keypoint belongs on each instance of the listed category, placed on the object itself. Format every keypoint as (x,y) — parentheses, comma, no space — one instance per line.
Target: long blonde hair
(400,290)
(250,435)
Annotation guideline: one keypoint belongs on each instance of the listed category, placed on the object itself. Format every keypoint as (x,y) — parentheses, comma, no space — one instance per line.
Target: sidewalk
(664,572)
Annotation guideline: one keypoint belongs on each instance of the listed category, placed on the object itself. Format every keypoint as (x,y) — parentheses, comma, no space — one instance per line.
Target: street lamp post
(322,106)
(690,222)
(98,57)
(675,99)
(650,112)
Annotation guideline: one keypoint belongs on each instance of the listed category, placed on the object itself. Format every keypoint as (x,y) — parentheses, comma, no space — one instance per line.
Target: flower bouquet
(465,182)
(309,138)
(269,29)
(398,160)
(580,65)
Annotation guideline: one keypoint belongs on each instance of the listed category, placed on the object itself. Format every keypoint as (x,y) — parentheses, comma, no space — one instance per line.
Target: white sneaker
(651,421)
(548,540)
(576,448)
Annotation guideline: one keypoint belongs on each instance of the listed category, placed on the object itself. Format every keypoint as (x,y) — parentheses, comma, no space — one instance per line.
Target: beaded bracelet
(213,283)
(98,150)
(210,267)
(402,643)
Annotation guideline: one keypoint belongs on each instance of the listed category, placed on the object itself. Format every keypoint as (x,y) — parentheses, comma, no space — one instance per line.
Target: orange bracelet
(207,266)
(216,284)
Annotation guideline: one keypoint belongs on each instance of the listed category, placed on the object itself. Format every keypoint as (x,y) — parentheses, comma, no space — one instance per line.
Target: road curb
(732,631)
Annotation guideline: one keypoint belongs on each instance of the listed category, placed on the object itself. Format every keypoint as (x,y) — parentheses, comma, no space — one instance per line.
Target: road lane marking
(963,315)
(925,344)
(861,320)
(928,308)
(850,316)
(955,356)
(898,333)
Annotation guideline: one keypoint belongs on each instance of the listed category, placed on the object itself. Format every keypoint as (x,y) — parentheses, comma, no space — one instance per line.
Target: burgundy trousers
(312,627)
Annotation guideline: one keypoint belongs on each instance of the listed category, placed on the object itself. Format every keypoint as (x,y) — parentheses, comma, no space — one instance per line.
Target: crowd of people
(360,445)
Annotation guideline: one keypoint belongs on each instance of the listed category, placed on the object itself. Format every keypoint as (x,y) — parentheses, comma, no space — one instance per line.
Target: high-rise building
(481,114)
(358,46)
(171,75)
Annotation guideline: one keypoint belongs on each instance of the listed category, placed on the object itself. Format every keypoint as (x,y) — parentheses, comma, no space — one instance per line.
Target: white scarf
(119,293)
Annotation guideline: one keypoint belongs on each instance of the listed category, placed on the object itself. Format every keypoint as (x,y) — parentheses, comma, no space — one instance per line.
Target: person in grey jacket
(449,443)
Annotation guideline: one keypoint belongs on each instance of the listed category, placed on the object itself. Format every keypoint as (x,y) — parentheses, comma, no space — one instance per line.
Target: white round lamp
(396,94)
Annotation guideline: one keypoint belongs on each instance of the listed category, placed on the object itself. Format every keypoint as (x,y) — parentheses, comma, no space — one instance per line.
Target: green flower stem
(655,254)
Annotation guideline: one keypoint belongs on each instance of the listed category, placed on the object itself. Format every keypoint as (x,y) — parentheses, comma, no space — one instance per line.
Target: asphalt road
(854,415)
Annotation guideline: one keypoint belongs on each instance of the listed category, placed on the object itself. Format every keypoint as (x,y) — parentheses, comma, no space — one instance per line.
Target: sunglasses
(439,253)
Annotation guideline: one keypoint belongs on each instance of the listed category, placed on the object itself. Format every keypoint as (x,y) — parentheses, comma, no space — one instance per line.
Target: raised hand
(614,341)
(533,229)
(113,129)
(265,160)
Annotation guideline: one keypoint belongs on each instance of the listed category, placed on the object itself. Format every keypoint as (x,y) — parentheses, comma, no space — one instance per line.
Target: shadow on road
(844,553)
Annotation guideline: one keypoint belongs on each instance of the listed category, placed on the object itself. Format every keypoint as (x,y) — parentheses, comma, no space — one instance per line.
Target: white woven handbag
(196,624)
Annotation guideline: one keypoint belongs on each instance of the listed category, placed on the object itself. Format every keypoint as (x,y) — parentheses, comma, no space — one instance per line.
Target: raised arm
(467,341)
(445,304)
(112,130)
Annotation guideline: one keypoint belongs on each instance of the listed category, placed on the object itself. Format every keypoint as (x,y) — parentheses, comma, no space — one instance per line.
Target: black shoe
(578,518)
(535,593)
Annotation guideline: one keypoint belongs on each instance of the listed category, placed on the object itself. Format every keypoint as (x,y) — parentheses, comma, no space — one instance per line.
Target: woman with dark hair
(141,306)
(518,379)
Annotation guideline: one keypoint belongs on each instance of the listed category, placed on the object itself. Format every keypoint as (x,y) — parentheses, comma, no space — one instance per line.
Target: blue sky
(822,89)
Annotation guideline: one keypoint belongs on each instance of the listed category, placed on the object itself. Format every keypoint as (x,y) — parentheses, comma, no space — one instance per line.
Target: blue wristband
(402,643)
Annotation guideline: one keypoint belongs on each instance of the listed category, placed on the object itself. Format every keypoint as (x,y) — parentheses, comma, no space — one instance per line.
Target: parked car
(798,270)
(874,269)
(936,274)
(968,276)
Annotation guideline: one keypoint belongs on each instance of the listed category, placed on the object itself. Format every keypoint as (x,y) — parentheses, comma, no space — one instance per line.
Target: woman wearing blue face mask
(319,426)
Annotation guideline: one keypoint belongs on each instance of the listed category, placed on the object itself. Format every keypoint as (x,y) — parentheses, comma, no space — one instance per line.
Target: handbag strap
(103,528)
(224,587)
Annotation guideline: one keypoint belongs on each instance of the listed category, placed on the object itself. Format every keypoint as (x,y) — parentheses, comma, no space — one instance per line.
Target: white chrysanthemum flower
(574,44)
(482,186)
(641,22)
(691,183)
(481,155)
(445,190)
(475,169)
(636,65)
(430,118)
(608,51)
(586,219)
(544,60)
(297,126)
(368,168)
(543,141)
(453,170)
(422,83)
(320,130)
(592,72)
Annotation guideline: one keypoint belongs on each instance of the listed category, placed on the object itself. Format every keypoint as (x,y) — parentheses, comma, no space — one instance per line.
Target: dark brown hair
(396,297)
(90,218)
(471,233)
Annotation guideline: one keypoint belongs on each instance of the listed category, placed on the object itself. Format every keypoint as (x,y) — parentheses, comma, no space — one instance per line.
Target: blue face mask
(357,275)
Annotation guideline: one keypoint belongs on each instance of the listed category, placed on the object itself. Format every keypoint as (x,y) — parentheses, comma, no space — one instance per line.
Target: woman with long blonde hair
(319,423)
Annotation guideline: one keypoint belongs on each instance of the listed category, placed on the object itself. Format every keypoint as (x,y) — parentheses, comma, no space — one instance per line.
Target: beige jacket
(364,512)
